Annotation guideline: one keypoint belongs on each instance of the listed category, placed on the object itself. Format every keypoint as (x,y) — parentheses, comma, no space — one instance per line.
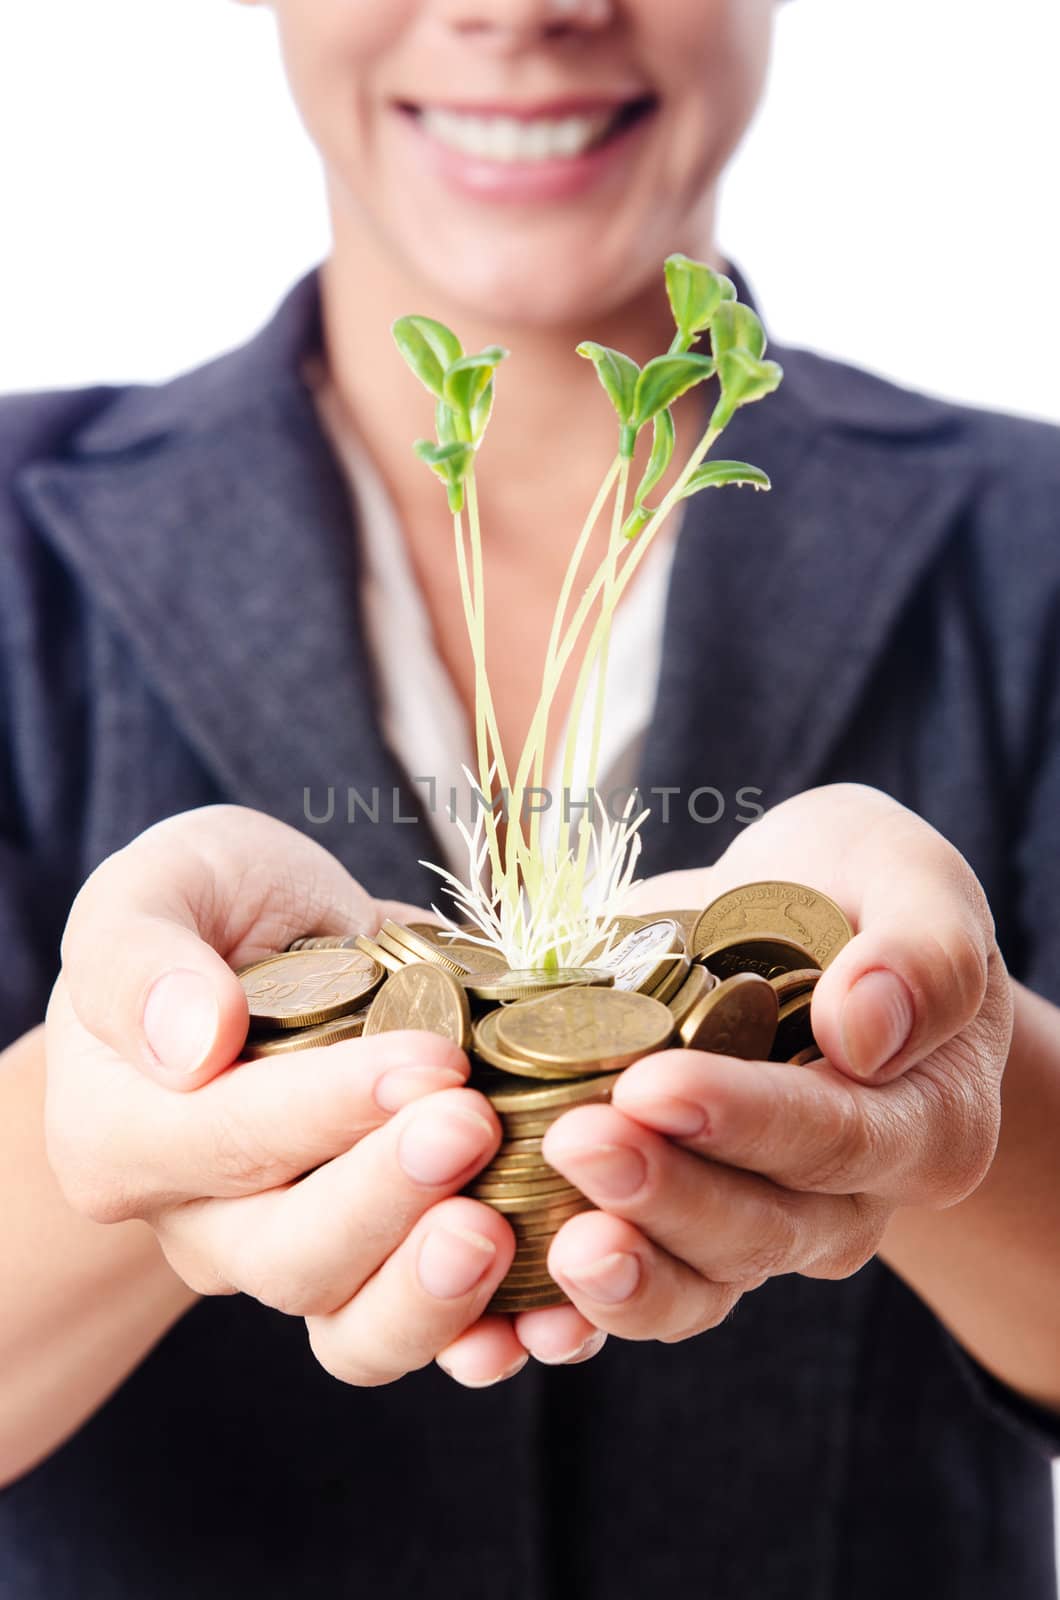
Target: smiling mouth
(528,139)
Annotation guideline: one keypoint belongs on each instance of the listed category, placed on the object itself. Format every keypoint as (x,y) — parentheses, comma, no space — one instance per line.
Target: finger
(559,1336)
(153,934)
(309,1247)
(485,1354)
(434,1286)
(810,1128)
(625,1285)
(122,1147)
(730,1226)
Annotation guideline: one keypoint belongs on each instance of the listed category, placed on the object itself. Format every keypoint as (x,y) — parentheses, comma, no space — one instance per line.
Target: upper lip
(567,106)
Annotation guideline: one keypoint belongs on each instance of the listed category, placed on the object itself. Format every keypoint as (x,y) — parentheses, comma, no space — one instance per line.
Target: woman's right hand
(322,1183)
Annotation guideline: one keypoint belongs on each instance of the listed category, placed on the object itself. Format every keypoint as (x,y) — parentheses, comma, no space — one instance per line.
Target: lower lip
(564,178)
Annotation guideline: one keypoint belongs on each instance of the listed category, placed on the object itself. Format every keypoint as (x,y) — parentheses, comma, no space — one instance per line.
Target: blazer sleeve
(1035,866)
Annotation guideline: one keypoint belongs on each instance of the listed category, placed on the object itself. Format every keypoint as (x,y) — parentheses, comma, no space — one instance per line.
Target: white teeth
(512,139)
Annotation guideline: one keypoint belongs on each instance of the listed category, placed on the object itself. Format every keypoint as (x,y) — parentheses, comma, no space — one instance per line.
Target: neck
(530,435)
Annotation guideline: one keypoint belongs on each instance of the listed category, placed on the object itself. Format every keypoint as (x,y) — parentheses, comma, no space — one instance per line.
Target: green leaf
(664,437)
(468,392)
(736,327)
(695,292)
(745,379)
(467,380)
(617,373)
(665,380)
(445,424)
(451,462)
(717,474)
(429,348)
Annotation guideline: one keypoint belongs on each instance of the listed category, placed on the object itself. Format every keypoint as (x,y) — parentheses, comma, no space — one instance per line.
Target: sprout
(551,909)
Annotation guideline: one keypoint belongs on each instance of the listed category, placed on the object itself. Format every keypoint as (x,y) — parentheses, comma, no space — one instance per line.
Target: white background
(896,203)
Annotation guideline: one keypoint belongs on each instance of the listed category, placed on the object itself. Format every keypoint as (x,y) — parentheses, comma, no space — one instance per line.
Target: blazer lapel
(211,523)
(780,605)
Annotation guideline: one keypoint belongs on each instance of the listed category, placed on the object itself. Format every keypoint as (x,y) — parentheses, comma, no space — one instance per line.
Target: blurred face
(532,159)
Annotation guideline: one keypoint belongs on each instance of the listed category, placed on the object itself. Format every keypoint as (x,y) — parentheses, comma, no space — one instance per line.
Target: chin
(569,286)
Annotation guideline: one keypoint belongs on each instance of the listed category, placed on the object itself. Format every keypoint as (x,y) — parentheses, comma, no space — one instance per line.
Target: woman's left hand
(712,1174)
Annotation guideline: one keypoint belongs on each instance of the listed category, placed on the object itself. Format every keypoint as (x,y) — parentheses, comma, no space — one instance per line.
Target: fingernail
(681,1119)
(401,1085)
(439,1145)
(612,1171)
(180,1021)
(613,1278)
(485,1383)
(875,1022)
(584,1352)
(453,1260)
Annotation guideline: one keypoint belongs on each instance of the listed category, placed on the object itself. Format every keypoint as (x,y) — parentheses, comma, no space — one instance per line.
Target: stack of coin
(736,978)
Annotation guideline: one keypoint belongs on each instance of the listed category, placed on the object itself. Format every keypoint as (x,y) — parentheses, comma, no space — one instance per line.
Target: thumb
(153,936)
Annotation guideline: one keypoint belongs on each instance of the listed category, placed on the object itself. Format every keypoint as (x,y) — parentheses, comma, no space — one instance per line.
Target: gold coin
(511,1100)
(304,987)
(738,1018)
(422,996)
(789,984)
(790,910)
(295,1039)
(385,957)
(585,1030)
(481,964)
(485,1044)
(528,984)
(511,1304)
(519,1147)
(536,1189)
(541,1205)
(766,955)
(437,932)
(700,981)
(546,1220)
(392,934)
(686,921)
(644,956)
(802,1058)
(794,1033)
(324,942)
(670,980)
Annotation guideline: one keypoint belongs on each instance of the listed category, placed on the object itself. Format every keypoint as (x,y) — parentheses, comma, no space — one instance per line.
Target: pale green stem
(475,622)
(533,752)
(640,548)
(598,647)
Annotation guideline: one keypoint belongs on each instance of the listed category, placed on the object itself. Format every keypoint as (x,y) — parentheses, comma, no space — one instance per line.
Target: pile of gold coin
(736,979)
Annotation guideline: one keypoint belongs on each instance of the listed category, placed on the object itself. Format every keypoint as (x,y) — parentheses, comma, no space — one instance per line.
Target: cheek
(333,52)
(710,58)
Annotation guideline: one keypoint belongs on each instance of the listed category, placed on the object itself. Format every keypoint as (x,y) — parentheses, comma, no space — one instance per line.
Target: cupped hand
(712,1175)
(322,1183)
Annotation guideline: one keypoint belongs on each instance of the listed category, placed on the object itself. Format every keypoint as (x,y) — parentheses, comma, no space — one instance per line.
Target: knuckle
(238,1160)
(774,1247)
(720,1301)
(969,970)
(341,1362)
(856,1246)
(843,1139)
(199,1273)
(86,1188)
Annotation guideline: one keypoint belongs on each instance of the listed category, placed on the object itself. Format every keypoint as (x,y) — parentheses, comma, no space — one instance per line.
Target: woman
(182,566)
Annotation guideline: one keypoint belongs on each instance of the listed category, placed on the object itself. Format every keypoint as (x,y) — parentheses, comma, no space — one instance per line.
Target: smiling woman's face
(535,159)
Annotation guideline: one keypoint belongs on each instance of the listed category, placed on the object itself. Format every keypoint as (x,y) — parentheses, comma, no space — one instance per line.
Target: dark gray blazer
(179,625)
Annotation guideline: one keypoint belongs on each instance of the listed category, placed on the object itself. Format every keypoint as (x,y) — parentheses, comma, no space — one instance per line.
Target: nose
(511,23)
